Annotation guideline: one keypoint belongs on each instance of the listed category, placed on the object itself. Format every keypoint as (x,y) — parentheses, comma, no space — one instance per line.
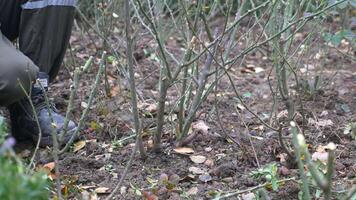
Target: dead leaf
(49,166)
(79,145)
(84,104)
(102,190)
(196,170)
(248,196)
(324,113)
(252,69)
(183,150)
(240,106)
(320,123)
(205,178)
(208,149)
(114,91)
(192,191)
(201,127)
(152,108)
(282,157)
(197,159)
(147,195)
(322,156)
(86,187)
(150,143)
(209,163)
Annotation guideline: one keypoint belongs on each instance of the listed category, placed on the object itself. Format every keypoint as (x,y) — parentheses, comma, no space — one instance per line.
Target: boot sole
(47,141)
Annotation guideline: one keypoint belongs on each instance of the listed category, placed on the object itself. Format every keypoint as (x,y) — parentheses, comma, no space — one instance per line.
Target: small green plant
(3,130)
(16,184)
(268,173)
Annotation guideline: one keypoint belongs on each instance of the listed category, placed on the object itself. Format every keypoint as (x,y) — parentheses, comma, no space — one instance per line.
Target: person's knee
(16,79)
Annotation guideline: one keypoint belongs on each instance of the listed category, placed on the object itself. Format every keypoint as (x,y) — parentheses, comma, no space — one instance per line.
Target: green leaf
(318,193)
(275,184)
(247,95)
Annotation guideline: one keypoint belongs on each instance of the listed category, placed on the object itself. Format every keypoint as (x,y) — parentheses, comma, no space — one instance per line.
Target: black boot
(23,120)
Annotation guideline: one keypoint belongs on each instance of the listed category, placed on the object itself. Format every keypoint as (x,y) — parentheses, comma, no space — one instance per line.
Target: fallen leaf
(282,157)
(149,196)
(322,156)
(240,106)
(205,178)
(197,159)
(86,187)
(248,196)
(208,149)
(79,145)
(201,127)
(84,104)
(252,69)
(183,150)
(320,123)
(209,163)
(102,190)
(123,190)
(228,179)
(196,170)
(150,143)
(324,113)
(152,108)
(192,191)
(49,166)
(114,91)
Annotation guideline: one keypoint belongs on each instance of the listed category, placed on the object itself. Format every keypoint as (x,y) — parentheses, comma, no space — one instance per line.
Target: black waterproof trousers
(43,29)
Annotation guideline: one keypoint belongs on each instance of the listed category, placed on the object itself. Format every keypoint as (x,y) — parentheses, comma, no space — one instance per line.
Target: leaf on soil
(79,145)
(196,170)
(201,127)
(282,157)
(149,196)
(322,156)
(86,187)
(240,106)
(148,107)
(84,104)
(320,123)
(248,196)
(102,190)
(114,91)
(197,159)
(282,114)
(49,166)
(209,163)
(205,178)
(192,191)
(208,149)
(183,150)
(252,69)
(150,143)
(324,113)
